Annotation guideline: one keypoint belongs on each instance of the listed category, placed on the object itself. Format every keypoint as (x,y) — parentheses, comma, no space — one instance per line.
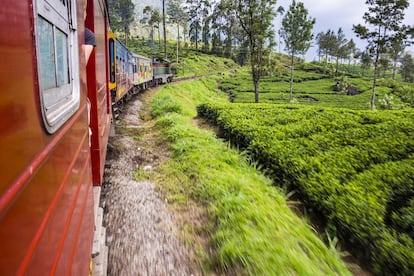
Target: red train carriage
(98,89)
(46,198)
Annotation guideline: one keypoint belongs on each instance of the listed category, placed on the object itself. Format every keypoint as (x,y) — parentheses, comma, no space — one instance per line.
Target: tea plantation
(355,168)
(312,87)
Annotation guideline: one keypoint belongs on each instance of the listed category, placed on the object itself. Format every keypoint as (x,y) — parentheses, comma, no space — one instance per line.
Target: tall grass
(251,229)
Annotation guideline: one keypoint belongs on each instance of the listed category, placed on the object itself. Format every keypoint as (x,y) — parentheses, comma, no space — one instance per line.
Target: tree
(366,61)
(255,18)
(351,51)
(225,27)
(121,13)
(177,16)
(198,11)
(339,49)
(164,29)
(384,64)
(319,41)
(407,67)
(151,17)
(297,34)
(326,44)
(384,17)
(205,34)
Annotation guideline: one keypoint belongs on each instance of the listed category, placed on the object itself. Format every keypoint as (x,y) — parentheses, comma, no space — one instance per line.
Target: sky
(332,14)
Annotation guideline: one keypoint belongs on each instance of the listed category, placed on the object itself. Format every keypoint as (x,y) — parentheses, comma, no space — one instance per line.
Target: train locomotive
(56,113)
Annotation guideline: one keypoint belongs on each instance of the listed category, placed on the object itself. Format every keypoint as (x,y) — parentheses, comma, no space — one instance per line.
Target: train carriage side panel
(46,218)
(98,92)
(124,73)
(144,71)
(121,75)
(135,70)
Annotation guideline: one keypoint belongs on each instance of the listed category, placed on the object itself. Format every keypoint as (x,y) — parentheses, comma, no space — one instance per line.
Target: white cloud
(333,14)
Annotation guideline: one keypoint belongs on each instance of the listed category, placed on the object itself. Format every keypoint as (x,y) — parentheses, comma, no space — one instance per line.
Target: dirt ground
(143,232)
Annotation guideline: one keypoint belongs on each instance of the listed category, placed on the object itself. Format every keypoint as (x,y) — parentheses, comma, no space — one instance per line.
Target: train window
(57,52)
(112,60)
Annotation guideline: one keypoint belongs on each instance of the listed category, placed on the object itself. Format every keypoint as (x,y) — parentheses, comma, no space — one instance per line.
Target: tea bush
(354,167)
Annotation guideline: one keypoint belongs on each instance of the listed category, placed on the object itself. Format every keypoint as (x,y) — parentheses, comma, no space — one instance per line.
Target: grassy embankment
(250,229)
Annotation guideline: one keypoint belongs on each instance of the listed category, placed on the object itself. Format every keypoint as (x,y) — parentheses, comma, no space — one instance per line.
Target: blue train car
(124,71)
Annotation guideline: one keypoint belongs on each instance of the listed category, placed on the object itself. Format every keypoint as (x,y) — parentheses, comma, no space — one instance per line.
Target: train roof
(140,56)
(161,60)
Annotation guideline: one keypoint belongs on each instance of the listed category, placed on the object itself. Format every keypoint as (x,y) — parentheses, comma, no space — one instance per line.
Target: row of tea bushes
(354,167)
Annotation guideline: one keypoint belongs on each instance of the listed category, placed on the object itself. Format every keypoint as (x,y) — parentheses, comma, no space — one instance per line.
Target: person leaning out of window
(90,40)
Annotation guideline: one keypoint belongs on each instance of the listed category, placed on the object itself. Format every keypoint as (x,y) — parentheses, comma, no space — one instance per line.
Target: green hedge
(355,167)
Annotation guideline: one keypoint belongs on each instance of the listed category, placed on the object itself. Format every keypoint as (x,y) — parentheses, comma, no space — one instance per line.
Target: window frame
(59,103)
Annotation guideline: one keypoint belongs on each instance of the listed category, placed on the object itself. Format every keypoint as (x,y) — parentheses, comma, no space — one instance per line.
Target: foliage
(250,228)
(354,167)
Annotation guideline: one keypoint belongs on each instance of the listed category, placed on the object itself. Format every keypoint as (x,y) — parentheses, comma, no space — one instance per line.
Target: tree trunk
(126,35)
(291,79)
(165,31)
(152,41)
(394,69)
(229,39)
(374,83)
(196,39)
(256,90)
(178,39)
(337,66)
(159,39)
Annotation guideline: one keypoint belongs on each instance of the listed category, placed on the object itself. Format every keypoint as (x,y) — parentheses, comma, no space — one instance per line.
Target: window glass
(46,54)
(112,59)
(62,58)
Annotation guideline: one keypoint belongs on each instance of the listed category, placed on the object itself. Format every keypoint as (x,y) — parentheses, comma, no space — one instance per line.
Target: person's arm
(87,49)
(90,43)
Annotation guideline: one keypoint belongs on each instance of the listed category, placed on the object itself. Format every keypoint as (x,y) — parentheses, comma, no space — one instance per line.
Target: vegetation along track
(142,235)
